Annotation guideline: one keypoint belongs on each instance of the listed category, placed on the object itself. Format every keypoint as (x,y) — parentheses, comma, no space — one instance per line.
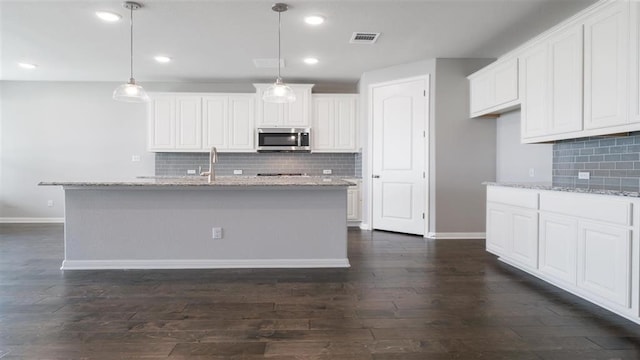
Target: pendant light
(279,92)
(131,92)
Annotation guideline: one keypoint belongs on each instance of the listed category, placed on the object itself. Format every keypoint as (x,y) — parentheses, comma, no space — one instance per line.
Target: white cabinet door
(323,123)
(604,262)
(189,122)
(353,204)
(162,123)
(295,114)
(506,82)
(481,88)
(524,237)
(534,87)
(494,89)
(241,126)
(215,123)
(606,71)
(551,85)
(345,128)
(498,229)
(558,241)
(634,99)
(565,81)
(334,125)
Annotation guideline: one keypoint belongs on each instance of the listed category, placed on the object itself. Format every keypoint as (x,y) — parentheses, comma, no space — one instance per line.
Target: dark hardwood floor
(403,298)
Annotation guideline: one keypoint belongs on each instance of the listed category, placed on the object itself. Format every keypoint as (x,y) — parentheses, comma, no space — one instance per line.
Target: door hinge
(424,92)
(424,174)
(424,133)
(423,215)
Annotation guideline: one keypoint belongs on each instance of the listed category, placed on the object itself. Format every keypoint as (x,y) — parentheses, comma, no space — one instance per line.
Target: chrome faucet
(213,158)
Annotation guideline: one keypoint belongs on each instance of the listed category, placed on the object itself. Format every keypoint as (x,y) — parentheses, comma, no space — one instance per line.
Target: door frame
(427,126)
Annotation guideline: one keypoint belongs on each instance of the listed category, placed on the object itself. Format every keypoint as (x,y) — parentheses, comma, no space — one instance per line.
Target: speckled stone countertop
(197,181)
(550,187)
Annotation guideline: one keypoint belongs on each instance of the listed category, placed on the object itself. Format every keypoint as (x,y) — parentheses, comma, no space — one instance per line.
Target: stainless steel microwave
(284,139)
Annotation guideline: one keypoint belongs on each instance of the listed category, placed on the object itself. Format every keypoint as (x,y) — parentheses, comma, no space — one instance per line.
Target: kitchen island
(187,222)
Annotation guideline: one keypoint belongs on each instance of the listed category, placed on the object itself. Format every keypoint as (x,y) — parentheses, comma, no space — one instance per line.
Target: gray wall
(613,162)
(514,159)
(64,131)
(173,164)
(463,151)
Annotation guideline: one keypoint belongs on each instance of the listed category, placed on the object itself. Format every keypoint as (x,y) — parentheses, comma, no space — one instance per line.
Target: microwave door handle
(299,139)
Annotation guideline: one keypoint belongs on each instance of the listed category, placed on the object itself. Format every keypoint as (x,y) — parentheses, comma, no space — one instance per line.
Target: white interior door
(399,139)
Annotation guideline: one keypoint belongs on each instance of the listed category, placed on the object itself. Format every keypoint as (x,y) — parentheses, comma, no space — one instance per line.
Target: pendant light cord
(131,38)
(279,42)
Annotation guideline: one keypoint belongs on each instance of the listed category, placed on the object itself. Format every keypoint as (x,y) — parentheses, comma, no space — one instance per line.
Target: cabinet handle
(375,176)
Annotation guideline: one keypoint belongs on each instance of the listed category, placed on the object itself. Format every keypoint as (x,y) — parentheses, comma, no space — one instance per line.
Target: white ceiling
(215,41)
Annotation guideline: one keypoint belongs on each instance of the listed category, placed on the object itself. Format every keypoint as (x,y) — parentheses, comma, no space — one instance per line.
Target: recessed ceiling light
(314,20)
(108,16)
(310,61)
(162,59)
(27,66)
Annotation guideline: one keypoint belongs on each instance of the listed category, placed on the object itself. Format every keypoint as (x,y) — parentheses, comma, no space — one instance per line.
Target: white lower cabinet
(604,262)
(558,240)
(353,201)
(582,243)
(512,226)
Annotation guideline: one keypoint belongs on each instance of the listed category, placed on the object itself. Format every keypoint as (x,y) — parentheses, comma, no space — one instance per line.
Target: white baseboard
(25,220)
(203,264)
(364,226)
(455,235)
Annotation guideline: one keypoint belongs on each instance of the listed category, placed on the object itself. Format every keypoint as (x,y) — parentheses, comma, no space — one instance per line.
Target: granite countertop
(201,181)
(550,187)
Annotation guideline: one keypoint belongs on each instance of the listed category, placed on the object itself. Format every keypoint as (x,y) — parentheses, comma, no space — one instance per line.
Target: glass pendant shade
(130,92)
(279,93)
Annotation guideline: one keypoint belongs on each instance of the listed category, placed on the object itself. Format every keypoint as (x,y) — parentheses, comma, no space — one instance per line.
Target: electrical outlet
(532,172)
(584,175)
(135,158)
(50,203)
(237,172)
(216,233)
(327,172)
(191,172)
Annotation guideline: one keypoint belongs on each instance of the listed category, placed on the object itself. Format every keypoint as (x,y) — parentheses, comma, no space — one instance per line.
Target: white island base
(170,227)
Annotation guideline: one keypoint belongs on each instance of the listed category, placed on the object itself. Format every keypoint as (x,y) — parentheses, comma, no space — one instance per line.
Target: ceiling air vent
(364,37)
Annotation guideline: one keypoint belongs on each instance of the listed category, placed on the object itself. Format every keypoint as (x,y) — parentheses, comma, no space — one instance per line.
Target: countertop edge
(550,187)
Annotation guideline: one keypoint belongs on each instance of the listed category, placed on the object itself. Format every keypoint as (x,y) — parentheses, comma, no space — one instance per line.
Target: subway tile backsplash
(613,162)
(341,164)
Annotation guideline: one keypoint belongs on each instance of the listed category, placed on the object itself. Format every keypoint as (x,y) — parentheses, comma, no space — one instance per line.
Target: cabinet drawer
(593,207)
(512,196)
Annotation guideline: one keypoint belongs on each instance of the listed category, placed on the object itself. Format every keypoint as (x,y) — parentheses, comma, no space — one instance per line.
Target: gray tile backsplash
(613,162)
(177,164)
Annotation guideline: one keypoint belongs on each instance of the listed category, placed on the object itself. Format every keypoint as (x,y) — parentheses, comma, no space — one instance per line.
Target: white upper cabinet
(334,125)
(294,114)
(606,66)
(196,122)
(494,89)
(188,122)
(551,85)
(634,100)
(241,122)
(579,79)
(162,123)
